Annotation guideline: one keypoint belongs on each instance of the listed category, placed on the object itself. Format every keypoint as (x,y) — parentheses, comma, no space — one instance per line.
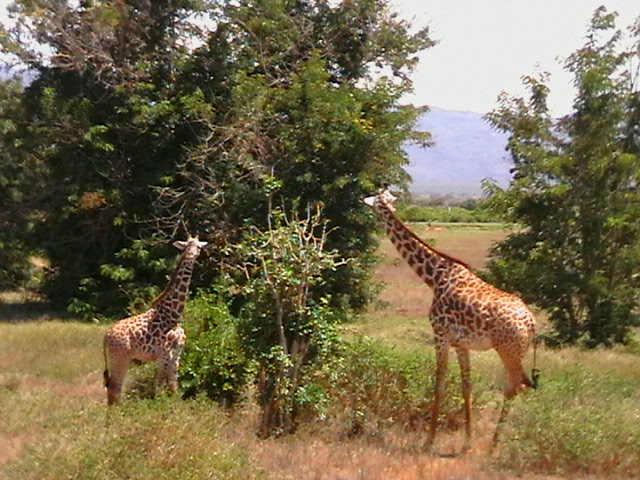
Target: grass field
(583,423)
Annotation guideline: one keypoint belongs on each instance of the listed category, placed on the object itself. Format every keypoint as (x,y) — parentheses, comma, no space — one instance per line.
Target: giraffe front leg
(465,374)
(172,375)
(168,370)
(442,360)
(170,359)
(161,376)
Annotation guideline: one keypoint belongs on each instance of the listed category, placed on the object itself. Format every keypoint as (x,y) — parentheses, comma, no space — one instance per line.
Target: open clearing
(583,423)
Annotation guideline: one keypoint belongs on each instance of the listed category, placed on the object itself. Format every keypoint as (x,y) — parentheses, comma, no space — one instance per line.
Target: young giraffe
(466,314)
(155,335)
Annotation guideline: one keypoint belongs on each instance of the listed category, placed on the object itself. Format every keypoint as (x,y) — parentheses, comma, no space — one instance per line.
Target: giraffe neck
(430,264)
(170,304)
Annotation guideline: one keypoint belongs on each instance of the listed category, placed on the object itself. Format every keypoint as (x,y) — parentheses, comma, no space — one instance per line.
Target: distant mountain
(466,150)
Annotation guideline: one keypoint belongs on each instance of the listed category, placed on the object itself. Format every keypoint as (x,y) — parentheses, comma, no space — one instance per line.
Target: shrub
(372,386)
(287,324)
(214,361)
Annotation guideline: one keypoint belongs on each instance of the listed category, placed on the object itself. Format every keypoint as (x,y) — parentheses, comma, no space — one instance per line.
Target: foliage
(286,325)
(575,193)
(144,124)
(214,361)
(391,388)
(19,188)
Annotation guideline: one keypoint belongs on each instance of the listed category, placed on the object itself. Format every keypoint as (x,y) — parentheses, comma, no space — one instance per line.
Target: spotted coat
(155,335)
(466,314)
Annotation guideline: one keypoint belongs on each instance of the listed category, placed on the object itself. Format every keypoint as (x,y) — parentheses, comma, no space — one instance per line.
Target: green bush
(214,361)
(287,322)
(372,386)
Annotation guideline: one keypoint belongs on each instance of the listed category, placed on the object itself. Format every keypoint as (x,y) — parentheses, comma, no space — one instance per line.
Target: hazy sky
(487,46)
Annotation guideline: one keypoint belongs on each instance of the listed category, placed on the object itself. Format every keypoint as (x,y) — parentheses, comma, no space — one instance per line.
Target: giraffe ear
(371,201)
(179,244)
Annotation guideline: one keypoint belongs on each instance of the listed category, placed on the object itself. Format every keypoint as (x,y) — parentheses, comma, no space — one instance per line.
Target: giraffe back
(142,337)
(470,312)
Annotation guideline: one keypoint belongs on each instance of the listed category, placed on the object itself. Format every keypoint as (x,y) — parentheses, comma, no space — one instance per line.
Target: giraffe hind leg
(517,381)
(506,404)
(114,380)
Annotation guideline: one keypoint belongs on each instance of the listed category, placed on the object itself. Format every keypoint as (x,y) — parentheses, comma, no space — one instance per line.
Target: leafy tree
(285,328)
(147,123)
(575,193)
(98,119)
(19,189)
(309,118)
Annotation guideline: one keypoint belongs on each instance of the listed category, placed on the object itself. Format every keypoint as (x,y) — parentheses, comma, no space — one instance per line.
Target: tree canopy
(575,193)
(145,120)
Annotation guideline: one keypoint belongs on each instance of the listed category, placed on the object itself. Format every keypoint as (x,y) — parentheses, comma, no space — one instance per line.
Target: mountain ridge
(466,150)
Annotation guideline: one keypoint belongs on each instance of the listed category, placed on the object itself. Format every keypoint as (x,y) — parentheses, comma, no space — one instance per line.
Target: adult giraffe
(155,335)
(467,314)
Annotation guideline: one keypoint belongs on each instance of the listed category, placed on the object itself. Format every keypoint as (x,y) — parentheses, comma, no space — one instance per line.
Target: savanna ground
(584,421)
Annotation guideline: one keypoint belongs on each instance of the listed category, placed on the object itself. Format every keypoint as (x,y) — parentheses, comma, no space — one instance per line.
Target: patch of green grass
(404,333)
(57,350)
(55,422)
(583,420)
(164,438)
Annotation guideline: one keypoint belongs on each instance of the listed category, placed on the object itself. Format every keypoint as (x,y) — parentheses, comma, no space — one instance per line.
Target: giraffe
(155,335)
(466,314)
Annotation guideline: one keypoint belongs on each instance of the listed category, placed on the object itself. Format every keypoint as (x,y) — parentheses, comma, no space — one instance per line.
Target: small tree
(575,189)
(286,323)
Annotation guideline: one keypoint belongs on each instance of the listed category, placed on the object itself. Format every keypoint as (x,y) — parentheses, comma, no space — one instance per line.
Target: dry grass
(55,424)
(405,293)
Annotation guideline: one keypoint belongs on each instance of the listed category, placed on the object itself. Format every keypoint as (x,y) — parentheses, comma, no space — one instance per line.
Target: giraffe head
(191,247)
(384,198)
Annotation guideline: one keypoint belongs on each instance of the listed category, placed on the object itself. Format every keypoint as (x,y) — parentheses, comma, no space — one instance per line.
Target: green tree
(20,189)
(285,328)
(575,193)
(101,119)
(148,124)
(310,113)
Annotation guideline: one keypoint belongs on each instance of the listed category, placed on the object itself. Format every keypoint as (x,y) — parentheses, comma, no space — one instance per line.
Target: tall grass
(140,440)
(56,350)
(584,421)
(55,424)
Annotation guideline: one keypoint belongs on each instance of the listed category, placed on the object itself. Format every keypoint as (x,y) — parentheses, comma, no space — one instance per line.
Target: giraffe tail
(105,374)
(535,372)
